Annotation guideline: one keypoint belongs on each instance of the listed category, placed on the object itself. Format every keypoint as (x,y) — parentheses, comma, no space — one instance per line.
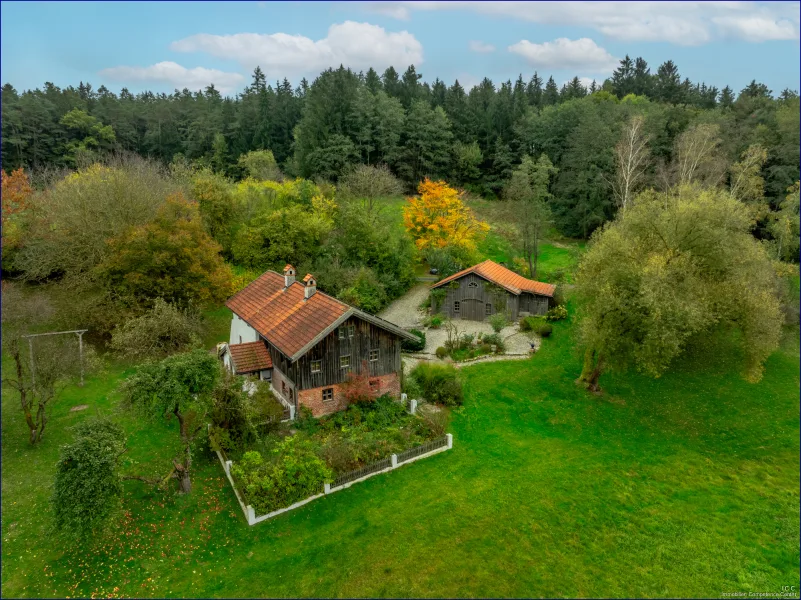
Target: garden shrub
(441,352)
(497,322)
(486,348)
(495,340)
(414,346)
(436,421)
(545,330)
(87,484)
(293,473)
(434,321)
(162,330)
(557,313)
(439,383)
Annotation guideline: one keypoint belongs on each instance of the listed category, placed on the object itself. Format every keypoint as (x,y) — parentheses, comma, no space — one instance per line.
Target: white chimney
(309,286)
(289,275)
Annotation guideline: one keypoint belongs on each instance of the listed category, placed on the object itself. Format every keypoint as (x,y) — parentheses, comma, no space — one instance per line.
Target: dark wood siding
(473,299)
(534,304)
(328,351)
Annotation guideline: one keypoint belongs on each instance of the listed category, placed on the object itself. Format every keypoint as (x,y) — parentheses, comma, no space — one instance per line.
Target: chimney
(309,286)
(289,276)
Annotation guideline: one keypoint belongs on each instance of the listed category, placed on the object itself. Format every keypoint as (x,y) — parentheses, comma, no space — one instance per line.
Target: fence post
(450,440)
(412,406)
(394,459)
(291,412)
(251,514)
(326,488)
(404,397)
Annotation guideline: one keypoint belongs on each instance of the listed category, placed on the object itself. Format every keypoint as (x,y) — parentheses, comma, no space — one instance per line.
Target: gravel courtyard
(405,313)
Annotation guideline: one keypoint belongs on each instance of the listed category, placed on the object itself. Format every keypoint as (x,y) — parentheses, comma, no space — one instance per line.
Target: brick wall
(313,398)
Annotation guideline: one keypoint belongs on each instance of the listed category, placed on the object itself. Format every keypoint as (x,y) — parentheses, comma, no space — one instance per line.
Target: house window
(374,385)
(472,284)
(240,339)
(456,306)
(328,394)
(346,332)
(488,309)
(316,366)
(344,362)
(373,355)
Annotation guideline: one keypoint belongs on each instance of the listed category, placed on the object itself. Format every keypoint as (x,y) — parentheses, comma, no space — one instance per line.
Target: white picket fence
(346,480)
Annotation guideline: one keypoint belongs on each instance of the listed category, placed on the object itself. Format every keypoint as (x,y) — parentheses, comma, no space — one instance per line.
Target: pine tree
(534,91)
(551,95)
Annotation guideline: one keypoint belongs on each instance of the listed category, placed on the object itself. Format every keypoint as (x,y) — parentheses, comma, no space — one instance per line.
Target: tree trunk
(591,371)
(182,470)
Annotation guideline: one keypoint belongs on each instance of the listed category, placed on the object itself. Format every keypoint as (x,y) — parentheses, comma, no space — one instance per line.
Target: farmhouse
(488,288)
(307,344)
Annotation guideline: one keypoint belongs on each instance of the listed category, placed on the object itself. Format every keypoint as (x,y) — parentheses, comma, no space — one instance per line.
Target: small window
(342,333)
(316,366)
(456,306)
(328,394)
(488,309)
(472,284)
(240,339)
(344,362)
(373,355)
(374,385)
(346,332)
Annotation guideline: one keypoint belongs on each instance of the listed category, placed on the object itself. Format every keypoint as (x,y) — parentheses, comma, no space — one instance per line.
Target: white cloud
(683,23)
(175,75)
(481,47)
(563,53)
(757,29)
(355,45)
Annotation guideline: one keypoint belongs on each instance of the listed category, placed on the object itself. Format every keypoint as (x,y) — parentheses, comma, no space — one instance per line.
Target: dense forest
(473,138)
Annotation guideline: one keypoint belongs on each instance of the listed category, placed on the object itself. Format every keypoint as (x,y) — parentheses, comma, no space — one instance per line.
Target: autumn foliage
(172,257)
(16,190)
(438,218)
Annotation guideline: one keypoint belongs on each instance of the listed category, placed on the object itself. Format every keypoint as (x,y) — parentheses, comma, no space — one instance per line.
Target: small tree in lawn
(42,366)
(181,386)
(88,485)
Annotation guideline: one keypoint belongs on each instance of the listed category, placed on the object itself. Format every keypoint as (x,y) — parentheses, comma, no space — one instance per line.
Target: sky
(161,46)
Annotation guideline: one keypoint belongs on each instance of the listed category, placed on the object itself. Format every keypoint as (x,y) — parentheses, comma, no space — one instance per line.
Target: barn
(489,288)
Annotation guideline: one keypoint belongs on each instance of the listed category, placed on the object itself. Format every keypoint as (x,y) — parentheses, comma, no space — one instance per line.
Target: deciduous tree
(438,218)
(669,269)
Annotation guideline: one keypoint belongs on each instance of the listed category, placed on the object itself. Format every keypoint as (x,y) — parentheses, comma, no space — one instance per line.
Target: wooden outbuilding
(489,288)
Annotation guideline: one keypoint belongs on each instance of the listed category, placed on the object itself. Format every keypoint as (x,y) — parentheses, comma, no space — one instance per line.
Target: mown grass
(683,486)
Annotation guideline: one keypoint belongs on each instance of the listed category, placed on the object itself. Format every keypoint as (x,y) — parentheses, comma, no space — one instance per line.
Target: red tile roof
(509,280)
(250,357)
(281,315)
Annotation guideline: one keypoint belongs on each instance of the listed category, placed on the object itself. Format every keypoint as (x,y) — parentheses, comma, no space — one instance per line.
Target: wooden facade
(473,298)
(291,377)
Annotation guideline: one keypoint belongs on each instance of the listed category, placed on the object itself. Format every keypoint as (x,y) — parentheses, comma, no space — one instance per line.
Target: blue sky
(166,45)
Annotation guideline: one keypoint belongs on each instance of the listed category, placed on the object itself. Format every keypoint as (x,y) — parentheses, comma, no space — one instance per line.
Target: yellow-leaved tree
(438,218)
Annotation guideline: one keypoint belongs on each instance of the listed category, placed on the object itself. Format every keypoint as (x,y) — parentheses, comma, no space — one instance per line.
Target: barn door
(473,310)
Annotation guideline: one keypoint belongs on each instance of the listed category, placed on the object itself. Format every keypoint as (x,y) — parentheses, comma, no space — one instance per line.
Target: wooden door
(473,310)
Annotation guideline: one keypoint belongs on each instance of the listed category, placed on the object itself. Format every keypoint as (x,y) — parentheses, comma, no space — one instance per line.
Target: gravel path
(404,311)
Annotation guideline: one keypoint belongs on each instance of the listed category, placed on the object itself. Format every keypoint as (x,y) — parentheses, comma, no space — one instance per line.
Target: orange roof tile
(250,357)
(509,280)
(281,315)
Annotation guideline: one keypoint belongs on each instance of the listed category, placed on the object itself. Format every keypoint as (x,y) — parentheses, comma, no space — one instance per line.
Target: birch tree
(632,158)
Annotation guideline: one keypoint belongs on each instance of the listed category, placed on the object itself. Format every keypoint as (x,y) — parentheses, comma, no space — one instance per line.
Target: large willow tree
(670,268)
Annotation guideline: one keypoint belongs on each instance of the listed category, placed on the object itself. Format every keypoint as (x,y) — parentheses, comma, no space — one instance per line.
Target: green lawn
(683,486)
